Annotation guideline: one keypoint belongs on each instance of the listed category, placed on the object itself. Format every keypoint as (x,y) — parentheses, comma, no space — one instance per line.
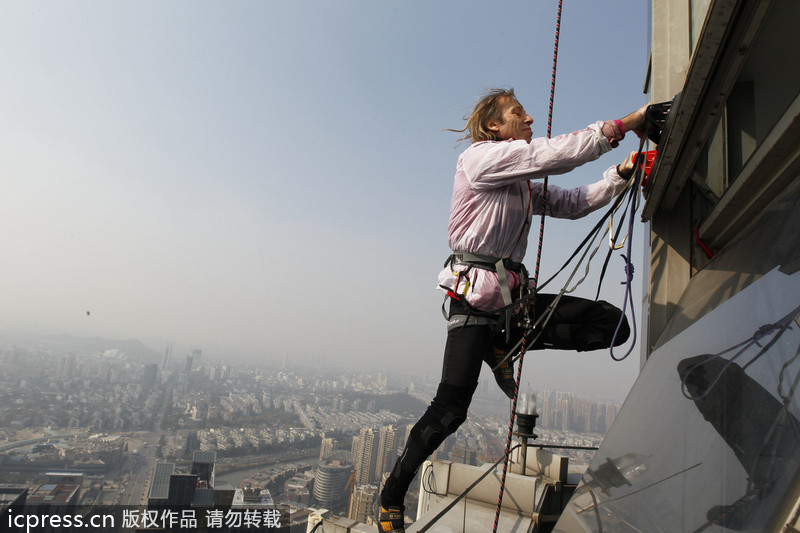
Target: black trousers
(576,324)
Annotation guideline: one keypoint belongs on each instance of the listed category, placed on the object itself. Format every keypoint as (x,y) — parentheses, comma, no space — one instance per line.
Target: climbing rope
(638,170)
(534,281)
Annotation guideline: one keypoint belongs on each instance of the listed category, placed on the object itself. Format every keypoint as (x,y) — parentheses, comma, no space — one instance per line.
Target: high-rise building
(361,502)
(327,446)
(159,485)
(365,455)
(149,375)
(167,356)
(611,414)
(331,479)
(721,282)
(204,466)
(387,451)
(66,366)
(181,489)
(183,379)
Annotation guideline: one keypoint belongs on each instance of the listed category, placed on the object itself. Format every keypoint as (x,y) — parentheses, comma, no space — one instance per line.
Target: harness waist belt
(487,262)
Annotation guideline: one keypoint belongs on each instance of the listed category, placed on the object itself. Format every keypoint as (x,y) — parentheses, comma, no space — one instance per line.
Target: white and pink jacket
(495,198)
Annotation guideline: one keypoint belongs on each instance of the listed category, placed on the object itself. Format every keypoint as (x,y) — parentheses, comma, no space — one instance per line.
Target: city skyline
(127,425)
(66,349)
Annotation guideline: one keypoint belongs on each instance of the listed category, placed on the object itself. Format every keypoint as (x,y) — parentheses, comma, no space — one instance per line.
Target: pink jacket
(495,198)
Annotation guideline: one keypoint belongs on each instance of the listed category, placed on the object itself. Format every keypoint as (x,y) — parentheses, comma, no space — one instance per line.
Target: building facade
(708,437)
(331,480)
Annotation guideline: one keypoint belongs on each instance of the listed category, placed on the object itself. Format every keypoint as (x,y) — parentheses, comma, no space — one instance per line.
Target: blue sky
(260,178)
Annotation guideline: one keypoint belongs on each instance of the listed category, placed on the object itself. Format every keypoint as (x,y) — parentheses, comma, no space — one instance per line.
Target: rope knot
(628,270)
(766,329)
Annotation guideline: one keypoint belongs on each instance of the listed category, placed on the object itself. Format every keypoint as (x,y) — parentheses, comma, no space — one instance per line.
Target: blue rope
(628,268)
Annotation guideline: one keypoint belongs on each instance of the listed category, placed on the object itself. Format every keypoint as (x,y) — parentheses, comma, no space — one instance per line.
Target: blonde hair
(487,109)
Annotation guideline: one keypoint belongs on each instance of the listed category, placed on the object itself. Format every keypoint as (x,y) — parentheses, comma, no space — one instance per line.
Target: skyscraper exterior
(331,478)
(712,407)
(365,455)
(204,466)
(167,356)
(327,446)
(387,451)
(361,501)
(159,486)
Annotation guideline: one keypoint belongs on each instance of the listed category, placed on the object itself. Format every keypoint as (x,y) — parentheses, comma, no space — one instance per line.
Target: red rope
(535,279)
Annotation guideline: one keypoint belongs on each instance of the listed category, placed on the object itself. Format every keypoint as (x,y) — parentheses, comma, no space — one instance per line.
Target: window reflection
(757,426)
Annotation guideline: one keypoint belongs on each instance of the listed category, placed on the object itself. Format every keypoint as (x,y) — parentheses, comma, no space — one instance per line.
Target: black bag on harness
(577,324)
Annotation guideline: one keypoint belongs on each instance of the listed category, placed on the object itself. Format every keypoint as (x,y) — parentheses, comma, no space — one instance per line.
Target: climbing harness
(503,268)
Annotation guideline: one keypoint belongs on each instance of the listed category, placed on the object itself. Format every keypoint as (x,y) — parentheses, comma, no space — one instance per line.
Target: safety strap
(500,267)
(494,264)
(502,277)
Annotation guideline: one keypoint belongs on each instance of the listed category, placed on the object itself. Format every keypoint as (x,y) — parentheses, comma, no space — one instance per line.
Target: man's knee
(447,412)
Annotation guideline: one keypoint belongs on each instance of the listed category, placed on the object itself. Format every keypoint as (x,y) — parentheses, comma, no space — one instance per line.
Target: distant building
(465,452)
(54,497)
(181,489)
(159,485)
(365,455)
(331,478)
(12,499)
(170,488)
(296,490)
(374,452)
(252,498)
(186,373)
(149,375)
(327,446)
(361,501)
(204,466)
(387,452)
(167,356)
(66,366)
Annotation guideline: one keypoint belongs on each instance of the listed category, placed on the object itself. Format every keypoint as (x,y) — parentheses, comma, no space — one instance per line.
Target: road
(140,465)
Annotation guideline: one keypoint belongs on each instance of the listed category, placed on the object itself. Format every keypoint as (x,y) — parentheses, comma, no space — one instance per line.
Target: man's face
(516,122)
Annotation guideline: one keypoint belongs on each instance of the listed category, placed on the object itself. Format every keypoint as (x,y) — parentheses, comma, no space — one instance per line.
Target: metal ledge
(729,30)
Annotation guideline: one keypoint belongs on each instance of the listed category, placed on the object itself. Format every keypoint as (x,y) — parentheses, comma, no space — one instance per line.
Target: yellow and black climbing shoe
(390,519)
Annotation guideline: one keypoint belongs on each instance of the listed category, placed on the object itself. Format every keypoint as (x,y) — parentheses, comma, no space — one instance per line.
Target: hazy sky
(260,178)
